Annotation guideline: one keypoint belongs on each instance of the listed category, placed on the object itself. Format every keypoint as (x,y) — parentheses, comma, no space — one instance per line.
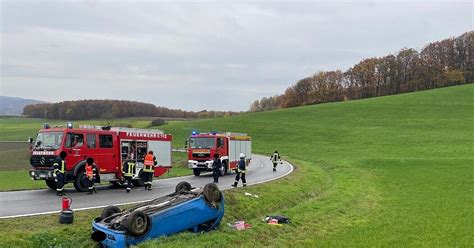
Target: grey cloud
(179,54)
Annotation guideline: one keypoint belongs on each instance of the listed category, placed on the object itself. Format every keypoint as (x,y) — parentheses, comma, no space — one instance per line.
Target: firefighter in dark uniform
(128,170)
(216,168)
(148,169)
(59,166)
(90,175)
(240,172)
(275,158)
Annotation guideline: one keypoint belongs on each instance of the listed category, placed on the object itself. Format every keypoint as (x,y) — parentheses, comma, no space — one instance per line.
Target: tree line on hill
(443,63)
(109,109)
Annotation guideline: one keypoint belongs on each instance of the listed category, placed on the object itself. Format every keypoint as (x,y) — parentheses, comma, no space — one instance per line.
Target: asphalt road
(36,202)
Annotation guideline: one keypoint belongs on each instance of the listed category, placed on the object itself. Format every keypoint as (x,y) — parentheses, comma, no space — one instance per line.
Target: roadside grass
(390,171)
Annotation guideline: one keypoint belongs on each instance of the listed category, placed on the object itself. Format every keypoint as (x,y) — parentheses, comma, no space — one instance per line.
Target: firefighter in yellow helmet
(148,169)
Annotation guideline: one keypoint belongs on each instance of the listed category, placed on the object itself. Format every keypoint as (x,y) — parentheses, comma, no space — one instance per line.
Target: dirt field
(14,156)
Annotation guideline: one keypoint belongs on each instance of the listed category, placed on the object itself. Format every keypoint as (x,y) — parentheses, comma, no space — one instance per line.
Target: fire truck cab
(201,148)
(108,146)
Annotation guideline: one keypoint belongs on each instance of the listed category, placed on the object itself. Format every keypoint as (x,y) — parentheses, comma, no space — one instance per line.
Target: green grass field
(394,171)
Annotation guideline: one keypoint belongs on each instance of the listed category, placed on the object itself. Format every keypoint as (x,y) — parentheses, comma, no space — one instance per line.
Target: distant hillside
(14,105)
(109,109)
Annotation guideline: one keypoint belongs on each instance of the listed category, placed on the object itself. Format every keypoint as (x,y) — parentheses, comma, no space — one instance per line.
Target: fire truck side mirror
(186,144)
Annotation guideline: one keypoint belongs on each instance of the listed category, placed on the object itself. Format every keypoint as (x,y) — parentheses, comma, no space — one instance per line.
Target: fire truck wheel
(51,184)
(197,172)
(183,186)
(138,223)
(109,211)
(212,193)
(79,182)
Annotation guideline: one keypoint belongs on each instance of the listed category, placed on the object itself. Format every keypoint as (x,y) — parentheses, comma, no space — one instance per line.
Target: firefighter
(128,170)
(59,166)
(148,169)
(240,172)
(275,158)
(216,168)
(91,173)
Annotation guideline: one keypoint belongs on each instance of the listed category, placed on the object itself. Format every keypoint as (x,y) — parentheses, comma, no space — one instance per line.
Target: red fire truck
(201,148)
(108,146)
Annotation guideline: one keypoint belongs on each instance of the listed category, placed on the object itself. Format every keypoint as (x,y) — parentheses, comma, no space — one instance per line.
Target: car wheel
(212,193)
(109,211)
(183,186)
(79,182)
(51,184)
(197,172)
(138,223)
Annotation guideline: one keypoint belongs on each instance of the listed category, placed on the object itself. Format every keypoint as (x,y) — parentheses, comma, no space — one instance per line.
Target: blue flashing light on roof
(194,132)
(69,125)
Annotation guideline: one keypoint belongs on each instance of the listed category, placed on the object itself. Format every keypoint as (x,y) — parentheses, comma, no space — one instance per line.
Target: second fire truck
(201,148)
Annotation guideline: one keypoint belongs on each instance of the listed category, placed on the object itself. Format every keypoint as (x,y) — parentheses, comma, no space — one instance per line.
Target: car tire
(212,193)
(183,186)
(109,211)
(197,172)
(51,184)
(138,223)
(79,182)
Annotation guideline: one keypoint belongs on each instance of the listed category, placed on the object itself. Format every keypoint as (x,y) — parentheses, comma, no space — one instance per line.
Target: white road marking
(137,202)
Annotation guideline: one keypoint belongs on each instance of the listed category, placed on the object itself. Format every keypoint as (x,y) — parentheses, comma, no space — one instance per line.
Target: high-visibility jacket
(59,166)
(149,163)
(90,171)
(275,157)
(128,168)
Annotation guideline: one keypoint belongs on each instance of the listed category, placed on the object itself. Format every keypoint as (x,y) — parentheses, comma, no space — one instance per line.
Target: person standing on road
(128,170)
(240,172)
(59,166)
(216,168)
(91,173)
(148,169)
(275,158)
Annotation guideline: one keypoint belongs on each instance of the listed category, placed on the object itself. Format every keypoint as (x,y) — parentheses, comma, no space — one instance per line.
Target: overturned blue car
(193,209)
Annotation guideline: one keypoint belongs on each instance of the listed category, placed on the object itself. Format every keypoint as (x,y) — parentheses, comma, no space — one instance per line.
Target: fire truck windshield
(49,141)
(202,142)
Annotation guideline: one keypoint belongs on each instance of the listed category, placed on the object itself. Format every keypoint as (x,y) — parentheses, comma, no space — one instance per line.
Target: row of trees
(109,109)
(444,63)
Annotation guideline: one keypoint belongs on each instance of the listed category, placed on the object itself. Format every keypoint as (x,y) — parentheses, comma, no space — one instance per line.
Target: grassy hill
(397,170)
(390,171)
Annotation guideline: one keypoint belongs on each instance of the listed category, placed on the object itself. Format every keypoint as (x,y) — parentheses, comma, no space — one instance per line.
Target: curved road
(36,202)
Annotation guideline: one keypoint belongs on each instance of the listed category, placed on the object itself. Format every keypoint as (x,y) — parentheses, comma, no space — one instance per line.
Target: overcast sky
(215,55)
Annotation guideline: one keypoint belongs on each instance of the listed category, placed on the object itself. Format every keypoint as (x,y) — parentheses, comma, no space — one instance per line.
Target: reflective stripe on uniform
(129,172)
